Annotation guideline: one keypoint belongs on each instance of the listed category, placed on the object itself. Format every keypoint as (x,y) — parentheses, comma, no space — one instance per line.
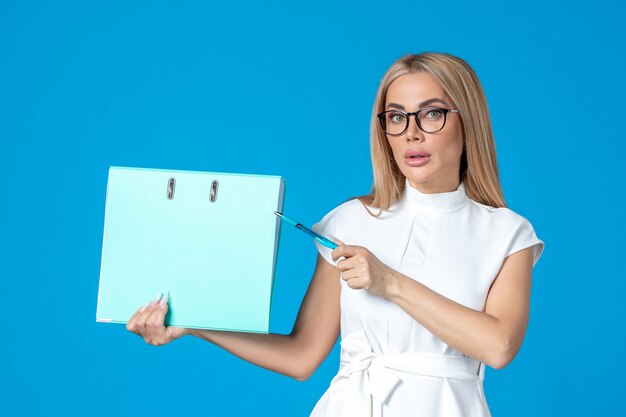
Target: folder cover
(209,238)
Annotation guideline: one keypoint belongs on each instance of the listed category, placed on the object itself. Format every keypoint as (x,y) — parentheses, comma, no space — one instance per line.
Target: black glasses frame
(381,118)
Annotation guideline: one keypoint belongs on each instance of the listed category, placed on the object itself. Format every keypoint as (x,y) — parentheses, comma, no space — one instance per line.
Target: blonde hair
(479,167)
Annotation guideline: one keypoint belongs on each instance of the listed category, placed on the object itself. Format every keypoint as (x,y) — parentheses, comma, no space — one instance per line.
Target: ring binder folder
(217,257)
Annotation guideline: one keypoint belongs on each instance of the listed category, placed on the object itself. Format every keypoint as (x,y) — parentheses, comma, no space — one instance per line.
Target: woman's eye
(433,114)
(396,117)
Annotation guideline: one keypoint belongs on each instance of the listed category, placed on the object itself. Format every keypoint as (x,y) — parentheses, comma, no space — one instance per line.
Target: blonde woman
(433,280)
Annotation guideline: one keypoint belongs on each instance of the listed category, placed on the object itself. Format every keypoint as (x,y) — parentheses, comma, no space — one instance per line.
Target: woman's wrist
(394,284)
(202,334)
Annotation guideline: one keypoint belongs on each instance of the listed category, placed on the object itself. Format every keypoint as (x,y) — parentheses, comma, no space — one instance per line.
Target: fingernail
(143,308)
(164,300)
(157,298)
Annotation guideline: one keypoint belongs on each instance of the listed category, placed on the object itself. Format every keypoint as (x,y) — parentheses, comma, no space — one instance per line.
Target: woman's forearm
(474,333)
(276,352)
(314,333)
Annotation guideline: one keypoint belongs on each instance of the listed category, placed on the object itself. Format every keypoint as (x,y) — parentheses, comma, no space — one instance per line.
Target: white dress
(390,364)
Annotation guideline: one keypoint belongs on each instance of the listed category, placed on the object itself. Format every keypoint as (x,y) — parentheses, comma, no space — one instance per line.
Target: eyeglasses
(429,120)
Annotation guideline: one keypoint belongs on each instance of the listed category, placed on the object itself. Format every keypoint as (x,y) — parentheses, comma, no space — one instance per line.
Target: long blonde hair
(479,167)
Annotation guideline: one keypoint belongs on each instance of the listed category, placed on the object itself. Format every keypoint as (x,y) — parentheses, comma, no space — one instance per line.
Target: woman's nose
(413,132)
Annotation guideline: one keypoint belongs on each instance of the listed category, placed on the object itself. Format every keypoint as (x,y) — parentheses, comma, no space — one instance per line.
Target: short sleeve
(326,227)
(525,237)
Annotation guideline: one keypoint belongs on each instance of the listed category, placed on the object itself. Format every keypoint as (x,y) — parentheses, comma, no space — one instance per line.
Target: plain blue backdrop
(286,88)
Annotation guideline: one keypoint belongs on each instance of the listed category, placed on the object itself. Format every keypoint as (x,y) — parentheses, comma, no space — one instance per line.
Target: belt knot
(366,380)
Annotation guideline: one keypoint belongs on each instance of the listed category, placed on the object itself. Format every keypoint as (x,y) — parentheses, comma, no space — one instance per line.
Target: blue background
(286,88)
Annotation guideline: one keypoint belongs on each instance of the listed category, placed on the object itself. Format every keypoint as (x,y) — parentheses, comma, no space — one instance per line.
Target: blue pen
(321,239)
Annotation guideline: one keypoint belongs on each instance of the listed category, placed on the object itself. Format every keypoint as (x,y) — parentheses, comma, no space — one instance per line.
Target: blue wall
(246,87)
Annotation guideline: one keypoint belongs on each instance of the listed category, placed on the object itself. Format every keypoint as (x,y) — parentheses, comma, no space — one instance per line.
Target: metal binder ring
(171,184)
(213,196)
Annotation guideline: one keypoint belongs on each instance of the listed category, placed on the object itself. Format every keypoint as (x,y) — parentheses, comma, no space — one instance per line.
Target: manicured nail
(143,308)
(157,299)
(163,302)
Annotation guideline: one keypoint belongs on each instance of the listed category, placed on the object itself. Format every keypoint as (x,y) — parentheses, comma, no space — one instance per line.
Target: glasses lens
(431,120)
(394,122)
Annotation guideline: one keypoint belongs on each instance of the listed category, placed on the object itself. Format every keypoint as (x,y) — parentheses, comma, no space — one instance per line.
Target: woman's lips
(416,158)
(417,161)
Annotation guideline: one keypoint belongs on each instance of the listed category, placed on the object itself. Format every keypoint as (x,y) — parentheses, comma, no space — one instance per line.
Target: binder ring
(171,184)
(213,196)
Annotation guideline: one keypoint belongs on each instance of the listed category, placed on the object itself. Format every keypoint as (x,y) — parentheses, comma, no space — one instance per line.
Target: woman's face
(438,170)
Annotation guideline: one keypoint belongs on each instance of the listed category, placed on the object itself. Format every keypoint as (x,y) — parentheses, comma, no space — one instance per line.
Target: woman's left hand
(361,269)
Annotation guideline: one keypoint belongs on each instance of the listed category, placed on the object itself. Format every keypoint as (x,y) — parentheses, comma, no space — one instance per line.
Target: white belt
(366,380)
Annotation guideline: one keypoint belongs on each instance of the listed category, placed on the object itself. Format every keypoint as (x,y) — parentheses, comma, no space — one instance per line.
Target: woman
(434,281)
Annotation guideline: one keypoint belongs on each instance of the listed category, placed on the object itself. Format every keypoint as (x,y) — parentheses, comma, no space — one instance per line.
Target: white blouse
(390,364)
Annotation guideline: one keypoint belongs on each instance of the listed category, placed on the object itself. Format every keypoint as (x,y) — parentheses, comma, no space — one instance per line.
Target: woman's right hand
(148,322)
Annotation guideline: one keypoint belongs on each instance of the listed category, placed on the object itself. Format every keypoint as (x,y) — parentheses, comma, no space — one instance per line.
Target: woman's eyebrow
(422,104)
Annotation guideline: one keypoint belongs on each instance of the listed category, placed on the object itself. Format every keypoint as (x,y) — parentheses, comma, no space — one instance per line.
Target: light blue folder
(209,238)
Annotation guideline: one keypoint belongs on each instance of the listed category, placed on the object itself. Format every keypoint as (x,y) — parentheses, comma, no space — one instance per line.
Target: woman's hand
(361,269)
(148,322)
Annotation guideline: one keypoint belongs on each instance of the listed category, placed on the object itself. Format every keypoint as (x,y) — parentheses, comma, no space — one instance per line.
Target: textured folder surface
(217,258)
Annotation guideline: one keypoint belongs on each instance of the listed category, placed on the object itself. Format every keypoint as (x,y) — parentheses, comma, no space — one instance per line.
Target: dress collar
(439,202)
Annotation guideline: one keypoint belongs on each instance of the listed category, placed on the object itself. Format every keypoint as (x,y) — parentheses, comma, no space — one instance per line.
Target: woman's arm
(493,337)
(313,336)
(297,354)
